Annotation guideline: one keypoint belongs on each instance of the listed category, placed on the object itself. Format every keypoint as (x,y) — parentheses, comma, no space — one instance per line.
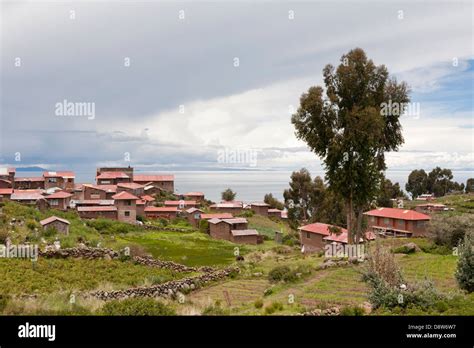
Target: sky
(212,85)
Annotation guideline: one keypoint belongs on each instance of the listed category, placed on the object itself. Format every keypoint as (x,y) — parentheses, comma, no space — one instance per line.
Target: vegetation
(273,202)
(465,268)
(136,307)
(228,195)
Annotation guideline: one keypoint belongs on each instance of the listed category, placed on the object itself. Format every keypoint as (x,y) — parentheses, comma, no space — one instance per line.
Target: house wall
(65,184)
(61,227)
(159,214)
(98,214)
(417,229)
(312,241)
(260,210)
(63,203)
(137,192)
(124,206)
(141,210)
(220,230)
(29,185)
(5,184)
(164,185)
(93,193)
(245,239)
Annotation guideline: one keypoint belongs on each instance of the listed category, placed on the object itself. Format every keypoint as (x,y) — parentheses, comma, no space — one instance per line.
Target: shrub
(273,307)
(32,224)
(136,306)
(290,239)
(465,267)
(352,311)
(51,231)
(203,225)
(404,250)
(215,309)
(450,230)
(3,235)
(278,273)
(258,304)
(247,213)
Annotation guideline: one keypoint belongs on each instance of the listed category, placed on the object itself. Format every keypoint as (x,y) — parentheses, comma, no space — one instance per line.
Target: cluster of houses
(123,195)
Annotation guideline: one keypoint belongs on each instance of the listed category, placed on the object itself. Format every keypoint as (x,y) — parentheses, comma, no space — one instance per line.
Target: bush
(50,231)
(3,235)
(404,250)
(279,273)
(465,267)
(246,213)
(203,225)
(215,309)
(32,224)
(136,306)
(258,304)
(352,311)
(274,307)
(290,239)
(450,230)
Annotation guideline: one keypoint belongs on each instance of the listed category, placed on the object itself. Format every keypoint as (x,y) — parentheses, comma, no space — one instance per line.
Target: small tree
(465,270)
(273,202)
(228,195)
(417,183)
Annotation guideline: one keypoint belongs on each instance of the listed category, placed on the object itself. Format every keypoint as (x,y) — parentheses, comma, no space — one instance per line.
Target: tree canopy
(228,195)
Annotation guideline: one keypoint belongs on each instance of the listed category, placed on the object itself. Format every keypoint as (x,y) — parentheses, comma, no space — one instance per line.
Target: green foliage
(282,273)
(203,225)
(449,231)
(3,235)
(388,191)
(136,307)
(273,307)
(273,202)
(3,302)
(215,309)
(246,213)
(258,304)
(403,250)
(352,311)
(417,183)
(228,195)
(469,185)
(32,224)
(465,268)
(108,226)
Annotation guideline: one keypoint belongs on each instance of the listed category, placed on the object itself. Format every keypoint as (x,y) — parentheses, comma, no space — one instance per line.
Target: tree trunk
(350,224)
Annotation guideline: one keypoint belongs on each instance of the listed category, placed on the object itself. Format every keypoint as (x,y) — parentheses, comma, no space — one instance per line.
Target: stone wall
(84,253)
(168,289)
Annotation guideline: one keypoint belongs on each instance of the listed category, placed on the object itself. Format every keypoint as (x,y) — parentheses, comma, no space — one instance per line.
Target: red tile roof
(124,195)
(59,195)
(52,219)
(194,194)
(217,216)
(150,178)
(26,195)
(105,188)
(395,213)
(147,198)
(62,174)
(112,175)
(98,208)
(320,228)
(161,209)
(6,191)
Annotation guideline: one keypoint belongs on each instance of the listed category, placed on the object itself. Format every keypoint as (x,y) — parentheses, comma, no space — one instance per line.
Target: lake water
(249,185)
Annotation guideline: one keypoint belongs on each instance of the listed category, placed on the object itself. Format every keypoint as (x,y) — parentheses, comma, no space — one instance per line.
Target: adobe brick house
(217,216)
(61,225)
(4,183)
(141,207)
(8,176)
(93,202)
(163,182)
(126,170)
(431,207)
(99,191)
(64,180)
(260,208)
(126,204)
(234,208)
(131,187)
(5,193)
(245,237)
(95,211)
(148,200)
(78,192)
(59,200)
(275,213)
(112,178)
(193,215)
(312,236)
(221,229)
(29,183)
(194,196)
(394,222)
(161,212)
(26,196)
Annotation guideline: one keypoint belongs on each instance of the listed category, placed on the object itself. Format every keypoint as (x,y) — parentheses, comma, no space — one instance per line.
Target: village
(119,194)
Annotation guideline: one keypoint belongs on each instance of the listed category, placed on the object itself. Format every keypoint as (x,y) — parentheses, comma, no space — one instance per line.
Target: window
(308,235)
(401,223)
(196,216)
(52,180)
(127,203)
(386,221)
(54,202)
(127,213)
(372,218)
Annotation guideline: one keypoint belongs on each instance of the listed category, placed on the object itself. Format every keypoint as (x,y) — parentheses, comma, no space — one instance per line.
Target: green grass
(267,226)
(51,275)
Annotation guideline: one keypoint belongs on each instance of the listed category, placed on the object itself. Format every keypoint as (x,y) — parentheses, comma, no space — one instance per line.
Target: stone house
(99,191)
(61,225)
(63,179)
(163,182)
(161,212)
(96,211)
(59,200)
(126,204)
(221,228)
(29,183)
(260,208)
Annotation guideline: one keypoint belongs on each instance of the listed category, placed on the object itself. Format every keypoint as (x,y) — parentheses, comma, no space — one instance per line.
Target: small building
(161,212)
(148,200)
(312,236)
(194,196)
(126,204)
(96,211)
(431,207)
(29,197)
(5,193)
(131,187)
(63,179)
(126,170)
(193,215)
(7,177)
(112,178)
(61,225)
(425,197)
(29,183)
(260,208)
(78,192)
(393,222)
(275,213)
(245,237)
(163,182)
(59,200)
(99,191)
(234,208)
(222,228)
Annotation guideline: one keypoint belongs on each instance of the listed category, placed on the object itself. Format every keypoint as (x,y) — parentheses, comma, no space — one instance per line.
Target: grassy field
(20,276)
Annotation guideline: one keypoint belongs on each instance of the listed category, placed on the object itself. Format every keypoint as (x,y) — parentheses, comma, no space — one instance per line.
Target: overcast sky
(182,101)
